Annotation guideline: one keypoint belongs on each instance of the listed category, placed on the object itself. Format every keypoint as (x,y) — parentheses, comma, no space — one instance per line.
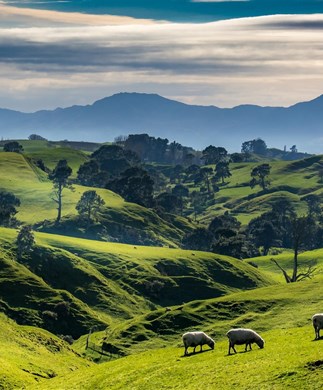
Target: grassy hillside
(290,180)
(128,221)
(281,314)
(289,360)
(107,282)
(29,355)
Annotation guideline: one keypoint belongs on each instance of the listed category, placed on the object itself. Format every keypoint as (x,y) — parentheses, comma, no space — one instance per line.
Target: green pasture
(29,355)
(290,359)
(288,179)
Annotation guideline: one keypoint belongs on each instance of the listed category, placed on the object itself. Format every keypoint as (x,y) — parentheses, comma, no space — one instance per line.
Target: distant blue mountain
(180,10)
(197,126)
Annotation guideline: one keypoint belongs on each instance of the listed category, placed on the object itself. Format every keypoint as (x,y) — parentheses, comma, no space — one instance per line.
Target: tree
(222,170)
(204,176)
(314,205)
(25,241)
(134,185)
(260,175)
(181,192)
(8,204)
(89,204)
(197,203)
(13,146)
(302,231)
(59,177)
(213,154)
(36,137)
(264,233)
(200,239)
(88,172)
(257,146)
(169,202)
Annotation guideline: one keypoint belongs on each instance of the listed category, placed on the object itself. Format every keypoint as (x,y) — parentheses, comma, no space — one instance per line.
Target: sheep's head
(211,343)
(261,343)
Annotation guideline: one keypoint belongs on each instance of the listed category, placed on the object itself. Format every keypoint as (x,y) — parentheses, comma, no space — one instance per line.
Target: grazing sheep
(244,336)
(193,339)
(318,324)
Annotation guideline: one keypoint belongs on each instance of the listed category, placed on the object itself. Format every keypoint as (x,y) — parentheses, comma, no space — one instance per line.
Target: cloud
(254,60)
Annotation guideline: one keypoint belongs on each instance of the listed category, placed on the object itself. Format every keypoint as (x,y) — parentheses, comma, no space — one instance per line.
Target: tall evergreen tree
(59,177)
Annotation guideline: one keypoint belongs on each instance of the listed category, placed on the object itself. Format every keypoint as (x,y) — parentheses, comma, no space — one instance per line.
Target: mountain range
(191,125)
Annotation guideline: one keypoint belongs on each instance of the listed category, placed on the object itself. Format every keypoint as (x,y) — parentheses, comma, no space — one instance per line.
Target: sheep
(244,336)
(193,339)
(318,324)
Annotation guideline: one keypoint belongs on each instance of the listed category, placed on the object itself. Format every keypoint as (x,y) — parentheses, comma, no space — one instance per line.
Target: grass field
(288,361)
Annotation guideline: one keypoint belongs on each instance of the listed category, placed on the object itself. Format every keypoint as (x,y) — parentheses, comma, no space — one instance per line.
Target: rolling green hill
(290,180)
(281,314)
(129,221)
(29,355)
(107,282)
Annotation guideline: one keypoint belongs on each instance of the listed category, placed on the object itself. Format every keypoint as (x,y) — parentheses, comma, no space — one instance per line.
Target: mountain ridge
(133,112)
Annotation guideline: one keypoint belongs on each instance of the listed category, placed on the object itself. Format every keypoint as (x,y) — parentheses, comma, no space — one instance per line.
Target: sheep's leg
(185,353)
(229,348)
(201,348)
(194,349)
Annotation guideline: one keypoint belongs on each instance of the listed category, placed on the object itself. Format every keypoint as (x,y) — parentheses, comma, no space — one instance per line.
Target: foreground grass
(29,355)
(287,361)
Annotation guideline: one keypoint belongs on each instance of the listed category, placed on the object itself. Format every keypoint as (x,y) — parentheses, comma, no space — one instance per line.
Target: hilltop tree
(36,137)
(13,146)
(59,177)
(213,154)
(89,204)
(260,175)
(257,146)
(25,241)
(8,204)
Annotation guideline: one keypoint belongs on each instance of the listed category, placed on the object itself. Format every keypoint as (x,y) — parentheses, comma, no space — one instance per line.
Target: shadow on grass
(197,353)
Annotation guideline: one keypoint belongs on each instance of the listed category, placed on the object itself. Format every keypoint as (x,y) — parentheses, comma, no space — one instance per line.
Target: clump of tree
(281,227)
(36,137)
(13,146)
(256,146)
(8,209)
(224,236)
(89,205)
(25,241)
(60,178)
(159,150)
(134,185)
(105,164)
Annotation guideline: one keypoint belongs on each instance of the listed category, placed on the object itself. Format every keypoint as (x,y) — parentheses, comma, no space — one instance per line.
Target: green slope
(131,222)
(290,180)
(30,355)
(281,314)
(106,283)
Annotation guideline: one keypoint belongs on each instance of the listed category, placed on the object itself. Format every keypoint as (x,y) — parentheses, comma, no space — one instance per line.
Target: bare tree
(301,233)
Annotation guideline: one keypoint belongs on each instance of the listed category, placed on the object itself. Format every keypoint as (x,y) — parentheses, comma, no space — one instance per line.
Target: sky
(222,53)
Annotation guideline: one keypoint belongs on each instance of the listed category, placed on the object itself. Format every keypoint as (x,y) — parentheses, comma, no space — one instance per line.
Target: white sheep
(318,324)
(193,339)
(242,336)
